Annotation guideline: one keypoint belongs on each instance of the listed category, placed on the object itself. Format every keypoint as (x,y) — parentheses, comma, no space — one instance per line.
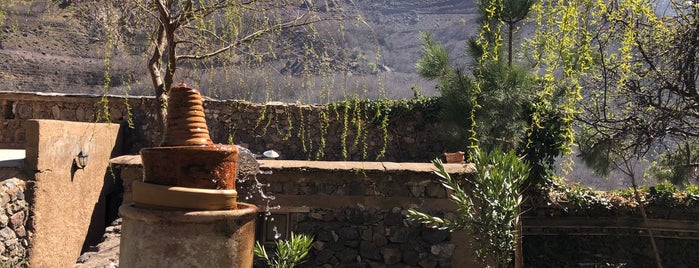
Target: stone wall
(565,235)
(358,236)
(14,232)
(356,213)
(296,131)
(354,210)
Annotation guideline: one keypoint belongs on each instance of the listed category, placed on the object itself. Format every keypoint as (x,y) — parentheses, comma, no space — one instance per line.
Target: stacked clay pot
(187,161)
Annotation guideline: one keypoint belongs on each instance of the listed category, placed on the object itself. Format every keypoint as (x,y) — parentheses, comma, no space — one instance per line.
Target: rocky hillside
(44,47)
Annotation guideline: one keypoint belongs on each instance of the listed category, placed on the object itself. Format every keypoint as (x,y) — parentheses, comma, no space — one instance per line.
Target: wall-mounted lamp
(81,160)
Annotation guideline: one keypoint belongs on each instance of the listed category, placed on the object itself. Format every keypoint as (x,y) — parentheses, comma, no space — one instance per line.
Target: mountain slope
(44,47)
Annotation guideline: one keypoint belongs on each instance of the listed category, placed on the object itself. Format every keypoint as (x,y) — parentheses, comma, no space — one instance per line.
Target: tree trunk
(509,44)
(154,65)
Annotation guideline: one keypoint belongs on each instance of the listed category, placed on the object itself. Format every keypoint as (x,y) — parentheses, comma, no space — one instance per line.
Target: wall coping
(314,166)
(12,157)
(42,96)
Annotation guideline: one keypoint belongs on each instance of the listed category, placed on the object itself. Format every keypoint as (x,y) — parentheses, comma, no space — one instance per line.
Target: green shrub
(289,253)
(490,210)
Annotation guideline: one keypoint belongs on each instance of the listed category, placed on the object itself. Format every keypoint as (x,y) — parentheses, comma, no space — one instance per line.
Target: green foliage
(582,199)
(546,140)
(289,253)
(503,102)
(499,104)
(490,210)
(434,62)
(504,94)
(636,66)
(679,166)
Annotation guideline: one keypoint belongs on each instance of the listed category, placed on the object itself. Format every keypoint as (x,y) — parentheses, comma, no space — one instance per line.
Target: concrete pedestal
(165,238)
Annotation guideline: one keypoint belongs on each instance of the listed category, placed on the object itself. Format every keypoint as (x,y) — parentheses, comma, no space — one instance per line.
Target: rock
(318,245)
(19,205)
(348,233)
(398,235)
(4,199)
(393,219)
(4,219)
(20,231)
(315,216)
(324,256)
(373,264)
(369,251)
(379,240)
(443,250)
(335,236)
(85,257)
(417,190)
(411,257)
(428,263)
(11,242)
(435,190)
(434,236)
(7,233)
(17,220)
(347,255)
(391,255)
(324,236)
(367,235)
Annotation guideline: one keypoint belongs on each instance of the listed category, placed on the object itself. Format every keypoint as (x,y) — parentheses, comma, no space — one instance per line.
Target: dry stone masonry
(14,232)
(297,131)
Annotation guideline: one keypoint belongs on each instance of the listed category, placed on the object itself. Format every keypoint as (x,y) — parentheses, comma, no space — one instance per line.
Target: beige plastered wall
(67,202)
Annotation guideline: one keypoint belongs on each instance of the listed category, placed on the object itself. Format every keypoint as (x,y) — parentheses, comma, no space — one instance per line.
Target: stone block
(398,235)
(4,219)
(391,255)
(443,251)
(434,236)
(369,250)
(7,233)
(17,220)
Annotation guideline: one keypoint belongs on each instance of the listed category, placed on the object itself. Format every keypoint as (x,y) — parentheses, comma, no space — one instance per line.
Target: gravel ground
(106,253)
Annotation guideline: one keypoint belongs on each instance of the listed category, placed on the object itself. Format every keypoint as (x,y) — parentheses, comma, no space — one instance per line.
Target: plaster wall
(68,204)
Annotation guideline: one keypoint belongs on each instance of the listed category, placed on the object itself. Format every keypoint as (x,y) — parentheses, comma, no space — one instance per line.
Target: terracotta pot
(455,158)
(186,121)
(207,167)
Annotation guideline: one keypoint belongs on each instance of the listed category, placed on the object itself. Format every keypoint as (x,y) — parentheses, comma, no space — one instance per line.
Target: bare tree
(211,33)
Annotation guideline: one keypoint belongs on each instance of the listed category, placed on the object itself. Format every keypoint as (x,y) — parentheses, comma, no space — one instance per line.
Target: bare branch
(255,35)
